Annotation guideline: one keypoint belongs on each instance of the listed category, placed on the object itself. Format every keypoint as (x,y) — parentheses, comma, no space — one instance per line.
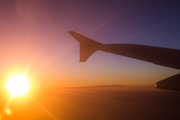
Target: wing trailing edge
(157,55)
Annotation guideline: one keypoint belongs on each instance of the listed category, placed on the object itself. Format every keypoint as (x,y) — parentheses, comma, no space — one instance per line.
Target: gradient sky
(34,38)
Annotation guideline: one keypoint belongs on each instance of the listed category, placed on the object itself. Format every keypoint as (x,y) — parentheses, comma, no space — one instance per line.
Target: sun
(18,85)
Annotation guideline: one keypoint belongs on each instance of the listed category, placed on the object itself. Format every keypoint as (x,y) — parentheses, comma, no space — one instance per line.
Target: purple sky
(33,37)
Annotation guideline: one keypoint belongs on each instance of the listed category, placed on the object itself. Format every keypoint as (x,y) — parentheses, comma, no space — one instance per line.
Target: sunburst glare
(18,85)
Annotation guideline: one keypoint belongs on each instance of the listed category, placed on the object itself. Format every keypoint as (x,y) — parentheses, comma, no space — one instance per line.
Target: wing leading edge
(157,55)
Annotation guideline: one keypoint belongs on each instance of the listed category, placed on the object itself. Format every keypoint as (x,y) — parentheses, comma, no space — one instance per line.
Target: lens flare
(18,85)
(8,111)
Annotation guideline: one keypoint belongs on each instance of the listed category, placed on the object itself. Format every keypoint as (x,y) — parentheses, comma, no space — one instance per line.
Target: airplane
(158,55)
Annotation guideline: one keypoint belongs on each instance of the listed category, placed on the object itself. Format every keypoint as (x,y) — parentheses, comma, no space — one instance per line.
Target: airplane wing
(157,55)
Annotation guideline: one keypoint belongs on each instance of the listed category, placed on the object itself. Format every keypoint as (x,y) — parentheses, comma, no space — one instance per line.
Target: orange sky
(34,38)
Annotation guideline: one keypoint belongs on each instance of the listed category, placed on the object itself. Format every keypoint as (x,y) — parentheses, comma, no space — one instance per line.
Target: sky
(34,38)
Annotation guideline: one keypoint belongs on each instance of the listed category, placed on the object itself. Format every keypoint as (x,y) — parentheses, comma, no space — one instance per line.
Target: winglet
(87,45)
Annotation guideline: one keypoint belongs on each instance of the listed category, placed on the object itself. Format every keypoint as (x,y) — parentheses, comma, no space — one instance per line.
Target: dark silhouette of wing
(170,83)
(87,46)
(157,55)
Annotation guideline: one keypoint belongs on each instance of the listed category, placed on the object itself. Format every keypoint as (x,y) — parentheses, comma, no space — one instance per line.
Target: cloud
(96,86)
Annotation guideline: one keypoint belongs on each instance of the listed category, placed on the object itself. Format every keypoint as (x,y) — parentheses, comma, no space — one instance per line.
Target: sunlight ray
(54,58)
(54,99)
(143,32)
(103,99)
(72,106)
(104,24)
(43,108)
